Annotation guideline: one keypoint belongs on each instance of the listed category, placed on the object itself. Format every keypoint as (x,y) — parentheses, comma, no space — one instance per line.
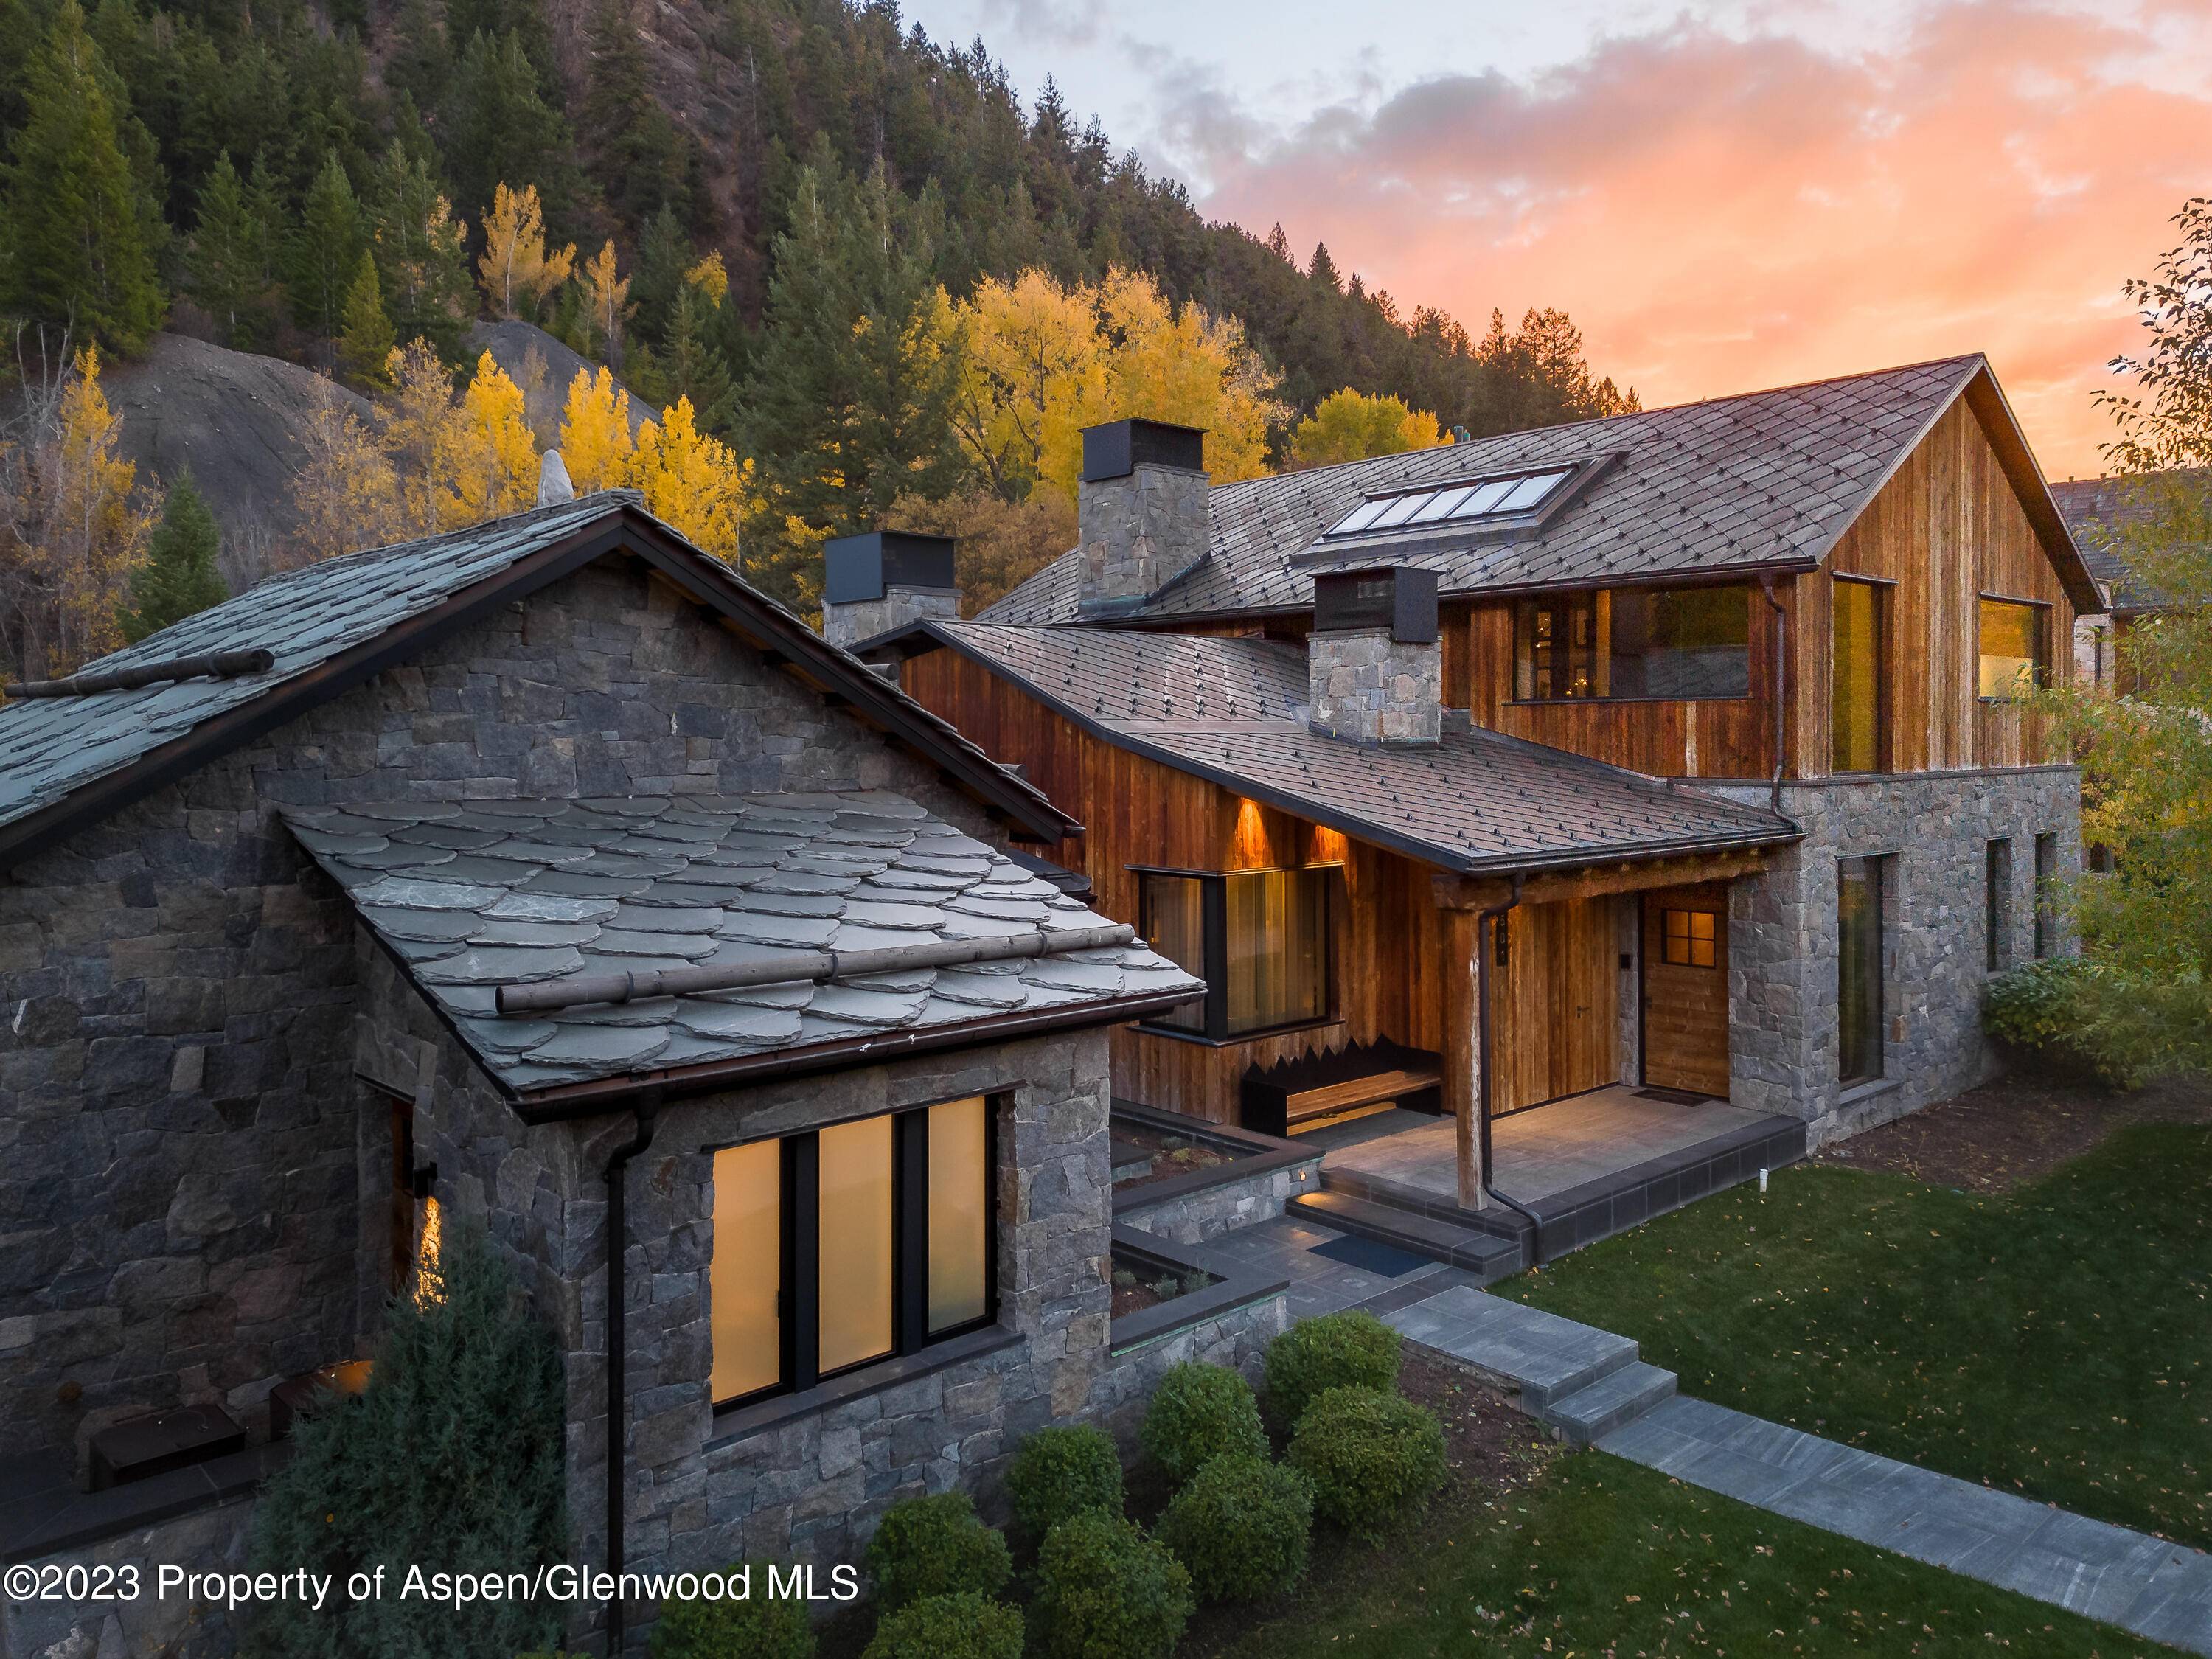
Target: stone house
(1564,823)
(545,874)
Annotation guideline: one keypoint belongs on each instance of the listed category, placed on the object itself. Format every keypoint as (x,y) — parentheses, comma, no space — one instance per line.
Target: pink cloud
(1720,214)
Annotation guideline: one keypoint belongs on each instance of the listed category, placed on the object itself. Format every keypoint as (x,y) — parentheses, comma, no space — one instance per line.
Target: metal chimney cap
(859,568)
(1120,447)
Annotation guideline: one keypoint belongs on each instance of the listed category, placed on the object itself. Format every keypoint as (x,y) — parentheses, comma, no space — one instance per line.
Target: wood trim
(1456,893)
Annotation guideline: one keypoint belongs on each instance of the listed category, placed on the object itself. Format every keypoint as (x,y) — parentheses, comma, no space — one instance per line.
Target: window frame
(1884,760)
(1689,913)
(1213,890)
(799,1295)
(2047,873)
(2040,610)
(1996,903)
(1571,600)
(1874,867)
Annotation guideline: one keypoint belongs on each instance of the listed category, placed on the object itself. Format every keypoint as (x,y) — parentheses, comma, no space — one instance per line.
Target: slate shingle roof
(2099,512)
(1764,480)
(51,747)
(470,896)
(1232,710)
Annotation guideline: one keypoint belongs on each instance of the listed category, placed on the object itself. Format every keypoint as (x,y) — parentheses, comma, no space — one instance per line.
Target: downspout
(647,1115)
(1485,930)
(1781,690)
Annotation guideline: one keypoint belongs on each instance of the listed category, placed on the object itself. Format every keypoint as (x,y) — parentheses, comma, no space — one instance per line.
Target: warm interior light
(430,1284)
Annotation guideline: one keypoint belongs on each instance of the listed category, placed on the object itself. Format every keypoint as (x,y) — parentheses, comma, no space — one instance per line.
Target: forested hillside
(859,278)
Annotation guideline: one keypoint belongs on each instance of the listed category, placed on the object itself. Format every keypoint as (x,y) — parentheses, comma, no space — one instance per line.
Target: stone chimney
(1141,510)
(1374,669)
(884,580)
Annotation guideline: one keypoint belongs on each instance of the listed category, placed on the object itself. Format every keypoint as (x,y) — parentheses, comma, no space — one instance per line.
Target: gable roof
(69,760)
(1231,711)
(2101,512)
(1762,482)
(468,896)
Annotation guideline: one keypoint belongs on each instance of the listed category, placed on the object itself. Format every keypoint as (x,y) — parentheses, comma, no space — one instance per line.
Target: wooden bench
(1293,1095)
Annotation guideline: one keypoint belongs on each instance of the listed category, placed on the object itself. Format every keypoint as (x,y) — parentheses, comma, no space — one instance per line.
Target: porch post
(1462,1054)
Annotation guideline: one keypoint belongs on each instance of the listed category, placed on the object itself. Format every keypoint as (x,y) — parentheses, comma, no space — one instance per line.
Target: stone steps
(1612,1402)
(1487,1256)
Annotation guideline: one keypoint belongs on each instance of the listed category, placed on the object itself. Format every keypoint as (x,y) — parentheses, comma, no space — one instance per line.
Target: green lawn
(2054,1341)
(1599,1557)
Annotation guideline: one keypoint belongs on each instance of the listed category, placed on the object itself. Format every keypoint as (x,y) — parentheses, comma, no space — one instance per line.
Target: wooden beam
(1462,1080)
(1591,881)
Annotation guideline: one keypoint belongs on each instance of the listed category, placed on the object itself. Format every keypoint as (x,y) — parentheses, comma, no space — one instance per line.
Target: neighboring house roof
(2101,512)
(470,896)
(69,760)
(1232,710)
(1764,482)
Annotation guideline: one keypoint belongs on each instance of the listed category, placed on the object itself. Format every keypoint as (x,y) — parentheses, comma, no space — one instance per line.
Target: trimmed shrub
(1371,1456)
(1060,1473)
(2087,1023)
(756,1627)
(962,1626)
(935,1547)
(1241,1527)
(1347,1350)
(1106,1591)
(1200,1412)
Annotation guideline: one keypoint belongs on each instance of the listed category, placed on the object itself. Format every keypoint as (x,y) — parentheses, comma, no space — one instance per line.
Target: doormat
(1674,1096)
(1367,1256)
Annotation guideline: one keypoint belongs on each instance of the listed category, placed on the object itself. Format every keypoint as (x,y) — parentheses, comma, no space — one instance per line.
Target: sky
(1723,196)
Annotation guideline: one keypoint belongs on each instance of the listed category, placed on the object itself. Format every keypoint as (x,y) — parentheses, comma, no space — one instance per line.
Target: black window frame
(1571,602)
(1213,889)
(2047,873)
(798,1305)
(1996,903)
(1876,868)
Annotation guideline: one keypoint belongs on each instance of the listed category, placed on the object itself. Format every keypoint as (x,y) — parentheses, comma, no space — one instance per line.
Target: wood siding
(1685,1014)
(1946,529)
(1553,1030)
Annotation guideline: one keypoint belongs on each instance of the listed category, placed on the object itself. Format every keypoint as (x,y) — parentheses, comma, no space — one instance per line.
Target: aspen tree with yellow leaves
(694,482)
(73,526)
(596,433)
(346,494)
(1350,426)
(490,466)
(514,264)
(607,304)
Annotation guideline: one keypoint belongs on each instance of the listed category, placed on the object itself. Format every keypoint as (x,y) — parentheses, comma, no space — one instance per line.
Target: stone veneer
(1934,830)
(1139,533)
(1365,687)
(855,620)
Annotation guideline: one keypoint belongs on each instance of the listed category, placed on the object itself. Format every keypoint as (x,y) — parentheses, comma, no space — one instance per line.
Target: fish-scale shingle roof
(1233,710)
(52,748)
(1766,480)
(2101,512)
(473,897)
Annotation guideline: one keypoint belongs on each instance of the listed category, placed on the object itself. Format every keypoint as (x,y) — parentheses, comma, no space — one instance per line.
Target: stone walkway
(1592,1385)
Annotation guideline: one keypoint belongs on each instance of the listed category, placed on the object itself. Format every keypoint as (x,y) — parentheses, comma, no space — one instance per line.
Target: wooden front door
(1685,1004)
(1552,1004)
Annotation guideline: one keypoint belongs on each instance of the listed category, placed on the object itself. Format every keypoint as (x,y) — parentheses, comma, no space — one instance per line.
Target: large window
(1634,642)
(840,1248)
(1858,970)
(2015,655)
(1858,715)
(1260,939)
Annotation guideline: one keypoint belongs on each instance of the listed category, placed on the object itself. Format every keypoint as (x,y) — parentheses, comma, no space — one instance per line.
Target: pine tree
(637,156)
(326,251)
(422,260)
(693,364)
(498,128)
(225,265)
(79,254)
(421,65)
(180,577)
(366,340)
(664,254)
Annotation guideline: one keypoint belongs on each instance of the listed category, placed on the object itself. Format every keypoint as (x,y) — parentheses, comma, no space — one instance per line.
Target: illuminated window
(1687,936)
(1260,939)
(1859,992)
(2014,654)
(1859,712)
(844,1247)
(1634,642)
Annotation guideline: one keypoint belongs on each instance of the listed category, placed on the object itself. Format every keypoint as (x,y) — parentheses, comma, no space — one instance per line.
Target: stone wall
(1139,533)
(175,1627)
(1195,1218)
(1366,687)
(1935,830)
(1237,1339)
(183,1157)
(855,620)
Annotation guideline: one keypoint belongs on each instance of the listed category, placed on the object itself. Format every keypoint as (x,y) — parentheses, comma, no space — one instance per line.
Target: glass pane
(1855,686)
(1442,504)
(1172,915)
(746,1275)
(1359,518)
(2012,646)
(1483,498)
(1530,492)
(1277,948)
(1858,970)
(2046,872)
(1679,642)
(1997,880)
(959,1213)
(855,1248)
(1398,511)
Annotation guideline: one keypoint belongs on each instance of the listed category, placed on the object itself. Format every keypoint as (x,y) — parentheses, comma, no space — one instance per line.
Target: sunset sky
(1723,196)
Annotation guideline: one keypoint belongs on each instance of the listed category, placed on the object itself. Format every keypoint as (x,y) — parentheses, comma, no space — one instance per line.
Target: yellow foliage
(491,467)
(1350,426)
(595,434)
(710,276)
(514,260)
(73,531)
(694,482)
(345,493)
(419,436)
(609,294)
(1043,361)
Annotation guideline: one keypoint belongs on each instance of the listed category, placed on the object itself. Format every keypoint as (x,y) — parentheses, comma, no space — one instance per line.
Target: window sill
(734,1422)
(1205,1042)
(1851,1094)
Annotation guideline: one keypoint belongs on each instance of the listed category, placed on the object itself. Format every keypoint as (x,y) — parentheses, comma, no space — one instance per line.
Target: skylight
(1452,503)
